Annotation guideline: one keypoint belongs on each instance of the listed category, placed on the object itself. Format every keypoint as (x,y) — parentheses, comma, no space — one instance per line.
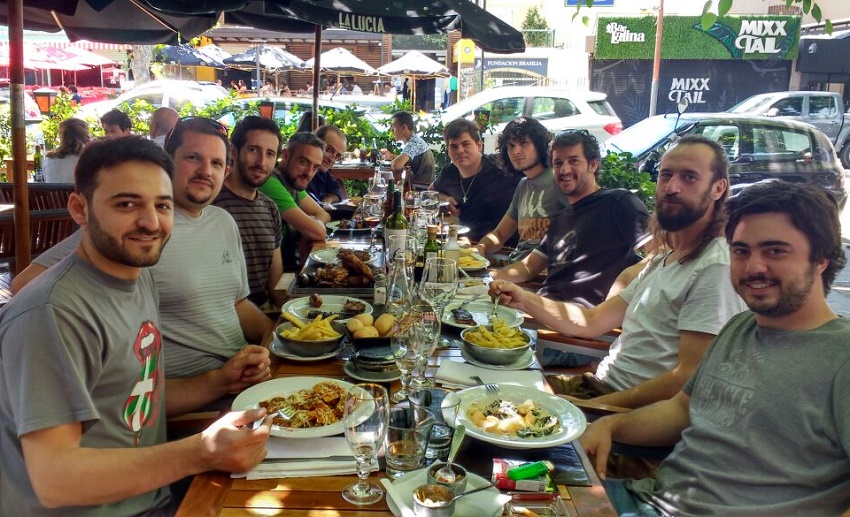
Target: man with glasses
(84,403)
(287,187)
(201,277)
(256,146)
(324,188)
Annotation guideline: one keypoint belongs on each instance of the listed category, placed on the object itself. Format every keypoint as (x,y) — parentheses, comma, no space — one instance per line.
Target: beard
(687,214)
(792,294)
(112,249)
(249,180)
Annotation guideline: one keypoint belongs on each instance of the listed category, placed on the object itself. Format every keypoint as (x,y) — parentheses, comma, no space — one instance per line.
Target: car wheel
(844,155)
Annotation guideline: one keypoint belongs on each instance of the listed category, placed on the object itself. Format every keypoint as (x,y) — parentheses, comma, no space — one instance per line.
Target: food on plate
(472,282)
(463,316)
(385,323)
(355,264)
(350,309)
(366,332)
(470,261)
(352,271)
(502,336)
(351,224)
(315,300)
(319,406)
(366,319)
(355,200)
(524,420)
(353,307)
(468,252)
(353,324)
(384,326)
(317,330)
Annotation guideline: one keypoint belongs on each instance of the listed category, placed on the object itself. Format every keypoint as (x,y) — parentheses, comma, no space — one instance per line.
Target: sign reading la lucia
(361,23)
(759,36)
(621,34)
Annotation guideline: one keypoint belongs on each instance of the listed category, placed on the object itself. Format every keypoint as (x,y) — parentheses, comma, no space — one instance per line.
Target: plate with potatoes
(367,331)
(471,261)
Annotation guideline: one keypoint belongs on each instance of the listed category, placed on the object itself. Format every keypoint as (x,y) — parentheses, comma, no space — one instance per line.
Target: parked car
(824,110)
(32,115)
(163,92)
(556,108)
(758,148)
(287,109)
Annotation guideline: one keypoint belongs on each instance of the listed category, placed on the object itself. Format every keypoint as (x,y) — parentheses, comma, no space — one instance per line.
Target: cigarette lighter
(530,470)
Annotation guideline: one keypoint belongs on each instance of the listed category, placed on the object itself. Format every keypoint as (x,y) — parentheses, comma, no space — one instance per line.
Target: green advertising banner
(730,37)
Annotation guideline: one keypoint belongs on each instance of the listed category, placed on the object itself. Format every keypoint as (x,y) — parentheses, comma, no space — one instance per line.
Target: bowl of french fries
(497,343)
(309,338)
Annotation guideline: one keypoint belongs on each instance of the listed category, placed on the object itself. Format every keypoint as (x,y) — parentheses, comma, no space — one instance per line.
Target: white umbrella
(342,61)
(415,64)
(215,52)
(271,58)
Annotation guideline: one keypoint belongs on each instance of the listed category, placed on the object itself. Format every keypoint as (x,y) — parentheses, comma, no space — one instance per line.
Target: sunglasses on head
(200,122)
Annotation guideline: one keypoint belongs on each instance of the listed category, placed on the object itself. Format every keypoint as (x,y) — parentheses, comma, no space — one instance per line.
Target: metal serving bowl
(308,348)
(490,355)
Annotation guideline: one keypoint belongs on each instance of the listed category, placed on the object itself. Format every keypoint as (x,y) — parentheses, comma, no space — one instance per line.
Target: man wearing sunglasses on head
(207,319)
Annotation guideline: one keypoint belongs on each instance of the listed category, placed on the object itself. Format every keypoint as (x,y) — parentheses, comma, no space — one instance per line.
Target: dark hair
(253,123)
(323,130)
(202,125)
(719,171)
(573,137)
(304,138)
(306,122)
(522,127)
(404,118)
(117,118)
(810,209)
(72,88)
(108,152)
(456,128)
(73,137)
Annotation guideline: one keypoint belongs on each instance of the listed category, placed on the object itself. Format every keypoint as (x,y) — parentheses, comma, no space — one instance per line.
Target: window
(790,107)
(822,106)
(501,110)
(729,137)
(545,108)
(602,108)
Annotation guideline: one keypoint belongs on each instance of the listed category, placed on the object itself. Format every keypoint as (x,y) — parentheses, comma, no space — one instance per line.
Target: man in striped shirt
(255,148)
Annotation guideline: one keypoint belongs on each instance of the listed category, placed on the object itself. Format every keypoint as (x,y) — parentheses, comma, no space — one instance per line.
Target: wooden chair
(42,196)
(47,228)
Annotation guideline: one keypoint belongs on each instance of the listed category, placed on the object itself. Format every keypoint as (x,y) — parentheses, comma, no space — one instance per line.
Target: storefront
(824,63)
(737,57)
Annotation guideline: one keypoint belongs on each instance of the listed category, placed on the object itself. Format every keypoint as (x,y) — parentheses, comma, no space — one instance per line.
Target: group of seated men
(745,446)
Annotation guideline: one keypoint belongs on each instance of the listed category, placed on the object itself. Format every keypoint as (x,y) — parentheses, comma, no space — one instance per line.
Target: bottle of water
(398,291)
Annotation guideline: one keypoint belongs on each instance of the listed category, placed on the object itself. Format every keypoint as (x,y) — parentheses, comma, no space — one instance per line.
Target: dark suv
(758,148)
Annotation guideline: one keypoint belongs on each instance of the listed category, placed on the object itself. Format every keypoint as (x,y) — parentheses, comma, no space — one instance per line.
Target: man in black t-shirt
(478,191)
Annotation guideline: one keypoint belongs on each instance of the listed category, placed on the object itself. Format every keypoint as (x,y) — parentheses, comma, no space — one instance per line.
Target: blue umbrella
(186,55)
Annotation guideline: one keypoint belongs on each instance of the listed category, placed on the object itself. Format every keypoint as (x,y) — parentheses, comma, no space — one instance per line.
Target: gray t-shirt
(770,427)
(664,300)
(200,277)
(78,345)
(535,202)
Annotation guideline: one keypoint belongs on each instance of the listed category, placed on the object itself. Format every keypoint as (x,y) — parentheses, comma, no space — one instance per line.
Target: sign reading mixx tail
(730,37)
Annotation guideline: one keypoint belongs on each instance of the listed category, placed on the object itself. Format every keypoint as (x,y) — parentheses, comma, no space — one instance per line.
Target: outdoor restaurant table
(358,171)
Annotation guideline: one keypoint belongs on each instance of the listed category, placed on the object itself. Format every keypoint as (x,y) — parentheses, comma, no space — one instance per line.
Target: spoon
(479,489)
(446,474)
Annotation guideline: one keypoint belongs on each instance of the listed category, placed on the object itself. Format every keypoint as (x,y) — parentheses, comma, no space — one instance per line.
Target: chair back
(423,170)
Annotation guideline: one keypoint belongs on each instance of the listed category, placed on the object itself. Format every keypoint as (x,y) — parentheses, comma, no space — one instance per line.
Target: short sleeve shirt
(414,147)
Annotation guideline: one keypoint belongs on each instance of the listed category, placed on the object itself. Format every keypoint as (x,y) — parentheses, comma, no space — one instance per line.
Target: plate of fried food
(470,260)
(345,307)
(331,255)
(351,272)
(519,417)
(315,405)
(460,314)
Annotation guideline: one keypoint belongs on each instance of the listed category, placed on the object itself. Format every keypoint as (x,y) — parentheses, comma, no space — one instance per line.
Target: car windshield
(643,135)
(751,104)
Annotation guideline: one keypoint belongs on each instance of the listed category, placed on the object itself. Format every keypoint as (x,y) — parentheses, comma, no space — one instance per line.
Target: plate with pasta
(316,405)
(519,417)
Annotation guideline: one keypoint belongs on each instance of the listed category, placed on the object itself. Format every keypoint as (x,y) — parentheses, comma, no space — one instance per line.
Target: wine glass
(430,201)
(367,410)
(403,344)
(372,210)
(378,185)
(439,285)
(427,335)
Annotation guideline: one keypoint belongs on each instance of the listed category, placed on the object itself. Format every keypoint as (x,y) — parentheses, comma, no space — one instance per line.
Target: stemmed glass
(377,185)
(427,335)
(367,411)
(406,355)
(372,210)
(430,200)
(439,285)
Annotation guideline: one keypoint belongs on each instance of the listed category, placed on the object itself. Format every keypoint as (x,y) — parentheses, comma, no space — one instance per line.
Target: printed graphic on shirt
(726,393)
(142,408)
(533,219)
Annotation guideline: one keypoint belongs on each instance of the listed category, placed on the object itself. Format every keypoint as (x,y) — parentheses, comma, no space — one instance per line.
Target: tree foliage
(534,20)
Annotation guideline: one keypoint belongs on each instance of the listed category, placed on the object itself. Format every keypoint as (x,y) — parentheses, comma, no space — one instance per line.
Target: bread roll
(385,323)
(366,319)
(364,332)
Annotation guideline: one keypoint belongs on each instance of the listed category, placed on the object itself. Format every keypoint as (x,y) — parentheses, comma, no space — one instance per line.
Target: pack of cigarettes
(542,483)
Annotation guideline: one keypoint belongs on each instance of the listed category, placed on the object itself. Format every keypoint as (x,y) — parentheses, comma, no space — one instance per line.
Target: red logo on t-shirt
(143,405)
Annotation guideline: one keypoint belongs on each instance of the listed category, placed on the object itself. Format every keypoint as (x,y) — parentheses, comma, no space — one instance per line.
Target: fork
(495,306)
(492,389)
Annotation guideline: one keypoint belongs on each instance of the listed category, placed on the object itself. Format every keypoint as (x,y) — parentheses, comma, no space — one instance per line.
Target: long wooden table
(359,172)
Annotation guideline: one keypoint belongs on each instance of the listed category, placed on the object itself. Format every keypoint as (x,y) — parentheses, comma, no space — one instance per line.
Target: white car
(556,108)
(163,92)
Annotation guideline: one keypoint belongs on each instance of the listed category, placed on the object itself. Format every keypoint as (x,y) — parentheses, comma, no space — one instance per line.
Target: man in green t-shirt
(287,187)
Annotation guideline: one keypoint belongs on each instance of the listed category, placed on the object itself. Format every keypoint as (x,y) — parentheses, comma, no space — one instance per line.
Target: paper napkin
(454,374)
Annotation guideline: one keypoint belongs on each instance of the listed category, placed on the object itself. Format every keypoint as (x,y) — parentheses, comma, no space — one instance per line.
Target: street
(839,296)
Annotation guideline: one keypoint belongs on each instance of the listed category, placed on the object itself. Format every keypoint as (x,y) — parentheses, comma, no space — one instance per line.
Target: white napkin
(285,281)
(305,458)
(400,496)
(454,374)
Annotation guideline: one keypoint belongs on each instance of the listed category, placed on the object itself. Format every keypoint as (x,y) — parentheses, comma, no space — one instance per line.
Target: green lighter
(530,470)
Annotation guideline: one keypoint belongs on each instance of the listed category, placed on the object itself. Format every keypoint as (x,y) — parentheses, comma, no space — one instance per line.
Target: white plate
(484,263)
(334,225)
(470,505)
(300,307)
(279,349)
(356,373)
(282,387)
(481,314)
(571,417)
(331,256)
(525,361)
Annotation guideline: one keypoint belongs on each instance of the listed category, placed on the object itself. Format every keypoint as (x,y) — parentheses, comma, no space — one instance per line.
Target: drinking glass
(439,286)
(427,336)
(443,405)
(378,185)
(405,352)
(419,225)
(365,418)
(407,439)
(372,210)
(430,200)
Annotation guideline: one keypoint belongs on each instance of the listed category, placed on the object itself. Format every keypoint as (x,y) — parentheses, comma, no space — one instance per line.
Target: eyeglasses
(332,150)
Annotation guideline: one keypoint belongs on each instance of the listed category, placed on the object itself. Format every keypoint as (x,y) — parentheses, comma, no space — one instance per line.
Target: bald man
(162,120)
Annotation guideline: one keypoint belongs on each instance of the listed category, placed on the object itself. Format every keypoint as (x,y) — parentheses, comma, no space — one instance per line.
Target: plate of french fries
(496,344)
(471,261)
(308,338)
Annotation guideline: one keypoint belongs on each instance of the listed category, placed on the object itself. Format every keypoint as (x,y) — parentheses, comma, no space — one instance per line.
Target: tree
(534,20)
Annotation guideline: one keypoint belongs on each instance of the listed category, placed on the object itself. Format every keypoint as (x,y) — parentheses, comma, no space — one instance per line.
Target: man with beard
(477,190)
(256,145)
(763,426)
(673,309)
(590,242)
(524,150)
(324,187)
(207,319)
(83,409)
(287,187)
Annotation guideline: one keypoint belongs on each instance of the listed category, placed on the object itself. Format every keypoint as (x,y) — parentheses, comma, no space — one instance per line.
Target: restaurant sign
(730,37)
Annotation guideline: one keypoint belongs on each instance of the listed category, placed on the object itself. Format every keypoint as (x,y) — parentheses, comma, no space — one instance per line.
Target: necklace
(468,189)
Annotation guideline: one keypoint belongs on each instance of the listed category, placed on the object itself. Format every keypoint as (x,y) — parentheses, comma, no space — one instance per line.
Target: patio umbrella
(215,52)
(415,64)
(342,61)
(271,58)
(186,55)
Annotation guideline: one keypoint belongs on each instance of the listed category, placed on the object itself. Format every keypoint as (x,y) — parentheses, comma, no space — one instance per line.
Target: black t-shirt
(588,244)
(488,194)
